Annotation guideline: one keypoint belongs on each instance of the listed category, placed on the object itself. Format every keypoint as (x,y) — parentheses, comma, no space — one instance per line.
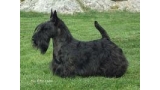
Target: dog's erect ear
(54,17)
(51,13)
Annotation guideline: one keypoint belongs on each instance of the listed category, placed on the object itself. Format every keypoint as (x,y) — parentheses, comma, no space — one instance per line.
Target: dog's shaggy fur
(71,57)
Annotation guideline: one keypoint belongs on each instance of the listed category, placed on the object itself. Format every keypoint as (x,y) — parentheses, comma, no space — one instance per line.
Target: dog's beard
(42,45)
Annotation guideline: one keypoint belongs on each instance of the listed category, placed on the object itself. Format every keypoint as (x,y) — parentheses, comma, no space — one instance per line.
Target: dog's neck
(64,37)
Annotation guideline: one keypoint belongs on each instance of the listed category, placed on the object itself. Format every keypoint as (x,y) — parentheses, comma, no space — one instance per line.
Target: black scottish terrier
(71,57)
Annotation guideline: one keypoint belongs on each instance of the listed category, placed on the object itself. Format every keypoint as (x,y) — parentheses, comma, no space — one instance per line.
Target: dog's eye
(45,28)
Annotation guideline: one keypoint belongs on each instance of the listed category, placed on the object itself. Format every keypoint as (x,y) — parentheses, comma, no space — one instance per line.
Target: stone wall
(72,6)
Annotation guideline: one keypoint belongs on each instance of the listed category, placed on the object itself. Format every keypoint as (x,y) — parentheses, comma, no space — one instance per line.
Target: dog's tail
(101,30)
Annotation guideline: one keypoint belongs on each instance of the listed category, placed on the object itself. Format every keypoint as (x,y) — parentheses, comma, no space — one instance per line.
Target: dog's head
(44,31)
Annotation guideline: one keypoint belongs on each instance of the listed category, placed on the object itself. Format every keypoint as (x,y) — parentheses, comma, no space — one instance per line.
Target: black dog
(72,57)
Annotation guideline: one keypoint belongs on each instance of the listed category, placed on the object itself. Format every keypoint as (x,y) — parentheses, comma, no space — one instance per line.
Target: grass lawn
(123,29)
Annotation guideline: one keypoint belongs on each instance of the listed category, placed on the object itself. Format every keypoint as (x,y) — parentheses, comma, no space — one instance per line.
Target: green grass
(124,30)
